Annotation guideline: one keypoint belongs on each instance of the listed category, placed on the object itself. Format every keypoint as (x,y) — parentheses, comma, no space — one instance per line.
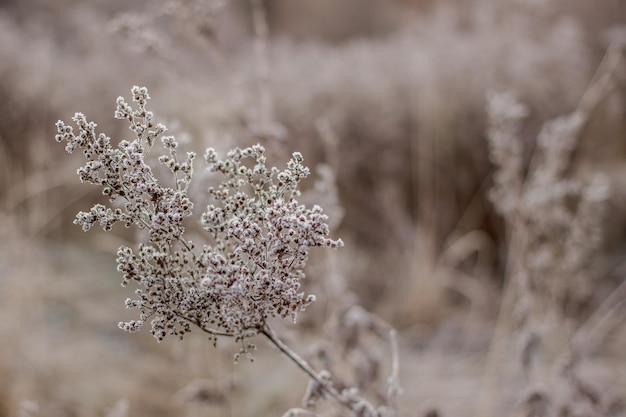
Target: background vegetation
(388,101)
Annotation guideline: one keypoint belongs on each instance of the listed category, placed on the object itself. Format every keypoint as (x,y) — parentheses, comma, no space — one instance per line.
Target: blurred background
(385,99)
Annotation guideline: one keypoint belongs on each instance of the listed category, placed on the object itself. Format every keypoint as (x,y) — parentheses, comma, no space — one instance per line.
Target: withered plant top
(258,234)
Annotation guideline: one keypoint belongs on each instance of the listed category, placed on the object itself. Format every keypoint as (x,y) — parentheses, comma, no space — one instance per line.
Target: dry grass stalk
(249,271)
(555,229)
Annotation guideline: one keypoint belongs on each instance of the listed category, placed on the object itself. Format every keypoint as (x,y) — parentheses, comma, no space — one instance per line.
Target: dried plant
(556,229)
(402,123)
(258,235)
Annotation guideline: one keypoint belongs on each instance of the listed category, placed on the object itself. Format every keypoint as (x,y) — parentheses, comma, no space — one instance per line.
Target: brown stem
(302,364)
(206,329)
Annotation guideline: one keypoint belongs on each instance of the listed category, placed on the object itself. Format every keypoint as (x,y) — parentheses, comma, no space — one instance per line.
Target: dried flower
(259,235)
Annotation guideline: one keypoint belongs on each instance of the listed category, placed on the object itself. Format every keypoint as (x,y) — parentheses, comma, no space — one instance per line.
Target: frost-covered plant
(258,238)
(555,221)
(260,235)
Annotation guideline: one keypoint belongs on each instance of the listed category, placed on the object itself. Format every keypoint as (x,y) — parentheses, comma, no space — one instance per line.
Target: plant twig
(595,329)
(394,378)
(302,364)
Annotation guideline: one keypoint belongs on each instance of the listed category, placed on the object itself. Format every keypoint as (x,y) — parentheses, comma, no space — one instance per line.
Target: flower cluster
(124,173)
(259,235)
(506,150)
(262,237)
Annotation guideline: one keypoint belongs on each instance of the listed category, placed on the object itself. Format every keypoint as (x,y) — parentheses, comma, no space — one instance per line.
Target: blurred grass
(391,96)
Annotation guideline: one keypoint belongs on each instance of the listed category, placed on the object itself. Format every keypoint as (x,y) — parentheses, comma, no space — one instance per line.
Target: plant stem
(304,365)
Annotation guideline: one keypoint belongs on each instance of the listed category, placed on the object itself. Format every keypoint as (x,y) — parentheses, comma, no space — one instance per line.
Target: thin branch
(208,330)
(302,364)
(591,330)
(394,378)
(293,412)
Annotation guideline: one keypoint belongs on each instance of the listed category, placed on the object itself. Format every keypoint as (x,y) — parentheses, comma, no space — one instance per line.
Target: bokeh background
(386,100)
